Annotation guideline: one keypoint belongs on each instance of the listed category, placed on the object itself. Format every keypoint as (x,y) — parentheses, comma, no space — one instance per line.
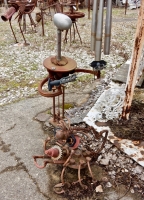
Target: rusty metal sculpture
(44,5)
(23,7)
(74,147)
(60,69)
(74,15)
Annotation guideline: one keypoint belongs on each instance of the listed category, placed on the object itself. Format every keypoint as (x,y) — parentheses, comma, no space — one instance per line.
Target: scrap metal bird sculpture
(23,7)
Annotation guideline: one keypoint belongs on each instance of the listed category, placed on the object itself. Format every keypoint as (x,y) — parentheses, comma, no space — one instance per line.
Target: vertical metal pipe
(63,101)
(99,30)
(108,28)
(54,118)
(94,24)
(58,44)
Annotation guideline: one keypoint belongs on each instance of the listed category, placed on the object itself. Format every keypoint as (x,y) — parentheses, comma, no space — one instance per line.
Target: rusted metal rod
(58,44)
(12,31)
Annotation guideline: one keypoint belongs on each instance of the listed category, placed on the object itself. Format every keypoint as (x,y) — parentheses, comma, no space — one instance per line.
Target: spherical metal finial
(62,22)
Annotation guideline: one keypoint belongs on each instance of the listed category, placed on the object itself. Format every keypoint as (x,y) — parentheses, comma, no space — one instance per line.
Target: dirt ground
(132,129)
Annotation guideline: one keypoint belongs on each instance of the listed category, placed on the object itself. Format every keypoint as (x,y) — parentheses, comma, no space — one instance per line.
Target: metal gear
(60,152)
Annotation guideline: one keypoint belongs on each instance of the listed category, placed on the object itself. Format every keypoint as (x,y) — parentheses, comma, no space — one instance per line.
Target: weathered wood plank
(138,51)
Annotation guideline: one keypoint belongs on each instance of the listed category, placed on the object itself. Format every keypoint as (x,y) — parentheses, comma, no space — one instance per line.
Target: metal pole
(108,28)
(58,44)
(12,30)
(63,101)
(99,30)
(54,117)
(94,24)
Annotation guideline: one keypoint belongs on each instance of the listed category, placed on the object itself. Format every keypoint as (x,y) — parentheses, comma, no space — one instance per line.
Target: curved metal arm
(97,73)
(48,94)
(44,163)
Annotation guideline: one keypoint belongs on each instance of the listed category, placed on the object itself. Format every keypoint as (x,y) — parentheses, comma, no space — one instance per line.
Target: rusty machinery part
(73,147)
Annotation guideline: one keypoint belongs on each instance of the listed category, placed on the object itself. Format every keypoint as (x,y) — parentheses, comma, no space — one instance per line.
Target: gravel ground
(21,68)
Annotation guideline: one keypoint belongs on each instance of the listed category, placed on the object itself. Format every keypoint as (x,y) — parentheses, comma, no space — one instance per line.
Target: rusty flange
(58,69)
(74,15)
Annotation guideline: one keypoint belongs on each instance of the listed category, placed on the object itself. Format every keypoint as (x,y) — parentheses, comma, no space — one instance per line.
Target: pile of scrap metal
(74,147)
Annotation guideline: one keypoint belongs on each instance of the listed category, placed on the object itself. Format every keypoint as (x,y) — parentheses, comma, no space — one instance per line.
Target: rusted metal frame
(133,70)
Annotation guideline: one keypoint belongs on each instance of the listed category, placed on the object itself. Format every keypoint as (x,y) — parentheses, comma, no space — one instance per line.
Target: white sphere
(62,22)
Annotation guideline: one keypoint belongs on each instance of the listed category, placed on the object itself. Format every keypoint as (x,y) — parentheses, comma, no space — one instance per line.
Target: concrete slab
(122,72)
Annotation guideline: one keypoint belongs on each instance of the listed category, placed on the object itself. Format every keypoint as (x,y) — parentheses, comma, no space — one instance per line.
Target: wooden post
(133,71)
